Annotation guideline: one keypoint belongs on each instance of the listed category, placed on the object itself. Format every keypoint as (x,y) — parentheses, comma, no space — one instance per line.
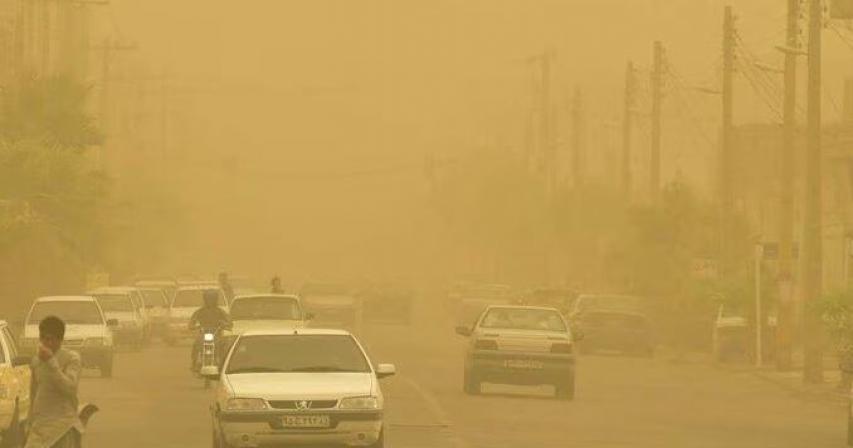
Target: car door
(18,378)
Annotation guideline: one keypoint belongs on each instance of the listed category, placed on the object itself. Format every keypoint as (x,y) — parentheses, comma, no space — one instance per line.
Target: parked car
(734,335)
(299,387)
(333,306)
(157,305)
(187,300)
(87,330)
(520,345)
(14,389)
(119,304)
(613,322)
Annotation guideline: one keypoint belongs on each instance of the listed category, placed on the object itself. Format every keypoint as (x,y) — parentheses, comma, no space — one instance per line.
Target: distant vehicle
(119,304)
(734,335)
(299,387)
(561,299)
(266,312)
(333,306)
(157,305)
(387,303)
(187,300)
(87,330)
(470,300)
(613,322)
(168,285)
(520,345)
(15,381)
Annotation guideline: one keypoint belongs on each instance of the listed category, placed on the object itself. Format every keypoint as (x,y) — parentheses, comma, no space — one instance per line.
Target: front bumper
(178,330)
(93,356)
(265,428)
(493,365)
(128,334)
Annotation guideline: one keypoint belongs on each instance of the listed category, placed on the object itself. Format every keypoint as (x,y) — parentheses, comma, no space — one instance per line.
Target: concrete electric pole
(657,100)
(627,125)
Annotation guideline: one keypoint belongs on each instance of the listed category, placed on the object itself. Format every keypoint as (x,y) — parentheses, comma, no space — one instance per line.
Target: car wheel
(566,390)
(471,383)
(13,437)
(107,367)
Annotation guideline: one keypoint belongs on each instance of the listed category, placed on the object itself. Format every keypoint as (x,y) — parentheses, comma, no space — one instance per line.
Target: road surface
(153,401)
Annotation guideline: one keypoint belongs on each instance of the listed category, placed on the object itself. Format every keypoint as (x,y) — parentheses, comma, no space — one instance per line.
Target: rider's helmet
(211,297)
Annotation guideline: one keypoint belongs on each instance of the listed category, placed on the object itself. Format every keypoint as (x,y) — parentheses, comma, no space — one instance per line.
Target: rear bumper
(493,366)
(257,429)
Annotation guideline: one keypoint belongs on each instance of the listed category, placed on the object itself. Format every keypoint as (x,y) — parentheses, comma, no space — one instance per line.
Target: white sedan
(299,387)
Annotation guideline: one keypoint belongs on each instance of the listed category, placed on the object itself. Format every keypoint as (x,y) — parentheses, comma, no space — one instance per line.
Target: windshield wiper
(257,369)
(321,369)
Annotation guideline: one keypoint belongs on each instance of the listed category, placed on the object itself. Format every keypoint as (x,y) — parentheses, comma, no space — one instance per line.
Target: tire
(13,436)
(107,367)
(471,383)
(566,390)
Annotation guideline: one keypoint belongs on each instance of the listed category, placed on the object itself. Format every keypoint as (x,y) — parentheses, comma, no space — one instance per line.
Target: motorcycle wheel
(207,383)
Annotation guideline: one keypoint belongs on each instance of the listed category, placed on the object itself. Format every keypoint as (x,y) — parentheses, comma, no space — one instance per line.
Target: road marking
(438,412)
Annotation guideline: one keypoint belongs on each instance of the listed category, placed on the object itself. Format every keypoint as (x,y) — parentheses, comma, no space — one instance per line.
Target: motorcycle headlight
(95,342)
(208,337)
(360,403)
(245,404)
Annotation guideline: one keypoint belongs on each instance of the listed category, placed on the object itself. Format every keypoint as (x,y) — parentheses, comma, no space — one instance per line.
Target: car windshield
(189,298)
(266,308)
(297,353)
(115,302)
(154,297)
(76,312)
(523,319)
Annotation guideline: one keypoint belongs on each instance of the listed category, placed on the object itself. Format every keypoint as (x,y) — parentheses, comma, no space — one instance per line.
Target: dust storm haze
(557,223)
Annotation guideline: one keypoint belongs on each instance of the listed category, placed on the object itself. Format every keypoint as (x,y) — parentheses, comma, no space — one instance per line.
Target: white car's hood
(72,331)
(242,326)
(301,386)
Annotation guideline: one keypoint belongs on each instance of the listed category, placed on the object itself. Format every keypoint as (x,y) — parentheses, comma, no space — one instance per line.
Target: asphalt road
(153,401)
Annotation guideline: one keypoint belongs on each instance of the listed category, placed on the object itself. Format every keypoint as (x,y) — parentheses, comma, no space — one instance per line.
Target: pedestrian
(275,285)
(54,422)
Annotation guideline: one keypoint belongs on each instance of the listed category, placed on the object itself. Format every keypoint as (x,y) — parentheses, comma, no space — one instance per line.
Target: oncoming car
(520,345)
(266,312)
(187,300)
(299,387)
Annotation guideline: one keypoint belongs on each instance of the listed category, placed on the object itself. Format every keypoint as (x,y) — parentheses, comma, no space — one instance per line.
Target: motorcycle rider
(53,419)
(210,315)
(275,285)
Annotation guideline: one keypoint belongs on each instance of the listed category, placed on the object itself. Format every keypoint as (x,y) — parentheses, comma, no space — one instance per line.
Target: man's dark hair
(52,326)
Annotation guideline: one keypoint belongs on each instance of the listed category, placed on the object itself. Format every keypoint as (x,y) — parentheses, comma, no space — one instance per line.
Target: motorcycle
(207,361)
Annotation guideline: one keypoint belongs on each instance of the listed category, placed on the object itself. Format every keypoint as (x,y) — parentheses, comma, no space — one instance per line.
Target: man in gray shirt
(54,421)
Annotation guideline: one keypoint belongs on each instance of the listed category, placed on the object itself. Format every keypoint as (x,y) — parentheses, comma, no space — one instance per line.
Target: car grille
(293,404)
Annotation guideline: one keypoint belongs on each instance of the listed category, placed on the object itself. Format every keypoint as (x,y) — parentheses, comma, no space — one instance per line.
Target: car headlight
(245,404)
(94,342)
(360,403)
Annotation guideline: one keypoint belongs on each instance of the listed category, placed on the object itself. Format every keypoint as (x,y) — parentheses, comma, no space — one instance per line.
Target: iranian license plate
(306,421)
(523,364)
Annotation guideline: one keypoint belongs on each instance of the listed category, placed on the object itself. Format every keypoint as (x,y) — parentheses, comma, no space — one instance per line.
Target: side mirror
(112,323)
(309,316)
(463,331)
(210,372)
(385,370)
(20,361)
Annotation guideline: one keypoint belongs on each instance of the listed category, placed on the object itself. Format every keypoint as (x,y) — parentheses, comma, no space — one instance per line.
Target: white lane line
(438,412)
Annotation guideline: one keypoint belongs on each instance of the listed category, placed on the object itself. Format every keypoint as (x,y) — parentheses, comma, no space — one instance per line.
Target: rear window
(193,298)
(115,302)
(78,312)
(266,308)
(523,319)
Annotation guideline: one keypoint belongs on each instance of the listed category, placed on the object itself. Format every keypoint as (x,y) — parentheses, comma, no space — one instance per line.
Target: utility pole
(577,140)
(630,93)
(545,128)
(812,238)
(785,324)
(727,137)
(657,99)
(108,49)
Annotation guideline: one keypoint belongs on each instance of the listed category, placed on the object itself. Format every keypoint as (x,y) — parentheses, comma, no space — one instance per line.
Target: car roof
(299,332)
(265,296)
(522,307)
(66,299)
(197,287)
(114,289)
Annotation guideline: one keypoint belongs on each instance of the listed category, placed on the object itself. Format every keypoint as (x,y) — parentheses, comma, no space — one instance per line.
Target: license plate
(523,364)
(306,421)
